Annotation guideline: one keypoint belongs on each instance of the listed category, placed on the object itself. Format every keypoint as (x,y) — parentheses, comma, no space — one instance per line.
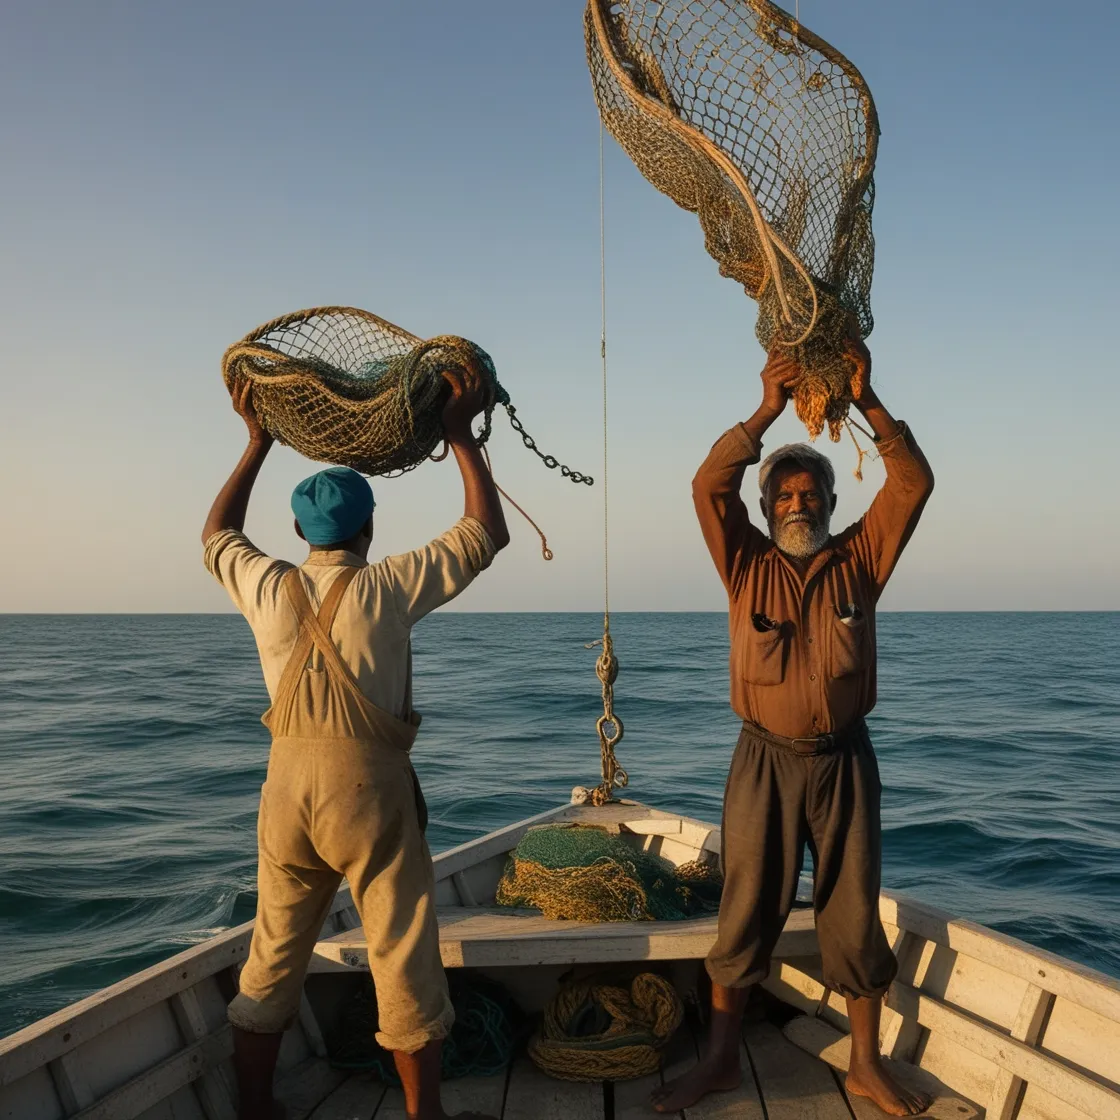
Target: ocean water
(131,758)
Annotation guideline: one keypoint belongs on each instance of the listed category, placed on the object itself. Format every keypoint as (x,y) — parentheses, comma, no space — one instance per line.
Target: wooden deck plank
(482,937)
(533,1095)
(464,1094)
(355,1099)
(304,1087)
(820,1040)
(680,1056)
(631,1098)
(741,1103)
(793,1085)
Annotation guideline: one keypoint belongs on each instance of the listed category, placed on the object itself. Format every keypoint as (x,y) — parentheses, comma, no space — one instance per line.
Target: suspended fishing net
(769,135)
(603,1032)
(343,386)
(587,874)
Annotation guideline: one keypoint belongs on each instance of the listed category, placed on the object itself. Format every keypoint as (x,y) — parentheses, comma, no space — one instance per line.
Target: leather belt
(809,744)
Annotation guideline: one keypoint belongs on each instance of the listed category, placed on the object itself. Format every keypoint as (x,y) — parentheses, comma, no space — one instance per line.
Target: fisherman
(341,800)
(802,621)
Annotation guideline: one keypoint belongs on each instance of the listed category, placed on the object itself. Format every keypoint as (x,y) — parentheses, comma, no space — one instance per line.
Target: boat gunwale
(53,1037)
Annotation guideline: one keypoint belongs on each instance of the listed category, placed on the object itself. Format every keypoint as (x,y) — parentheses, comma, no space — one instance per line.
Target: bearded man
(802,620)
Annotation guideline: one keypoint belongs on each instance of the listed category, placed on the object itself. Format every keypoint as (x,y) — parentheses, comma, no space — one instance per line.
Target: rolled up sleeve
(251,578)
(727,529)
(433,575)
(885,530)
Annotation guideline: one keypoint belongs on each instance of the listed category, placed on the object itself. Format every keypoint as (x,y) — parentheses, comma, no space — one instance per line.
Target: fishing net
(343,386)
(766,132)
(603,1032)
(587,874)
(487,1030)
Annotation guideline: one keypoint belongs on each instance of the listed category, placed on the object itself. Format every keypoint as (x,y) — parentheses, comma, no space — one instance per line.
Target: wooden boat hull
(1017,1031)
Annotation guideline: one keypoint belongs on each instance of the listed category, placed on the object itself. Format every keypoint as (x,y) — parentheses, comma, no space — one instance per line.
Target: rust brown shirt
(803,648)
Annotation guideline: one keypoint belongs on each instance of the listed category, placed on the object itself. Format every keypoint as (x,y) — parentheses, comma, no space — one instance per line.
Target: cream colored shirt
(372,629)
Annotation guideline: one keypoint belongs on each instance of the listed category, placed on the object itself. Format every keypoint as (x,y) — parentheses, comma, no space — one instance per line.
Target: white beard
(798,537)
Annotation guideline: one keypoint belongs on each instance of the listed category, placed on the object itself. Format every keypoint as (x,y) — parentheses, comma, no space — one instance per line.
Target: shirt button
(812,676)
(809,640)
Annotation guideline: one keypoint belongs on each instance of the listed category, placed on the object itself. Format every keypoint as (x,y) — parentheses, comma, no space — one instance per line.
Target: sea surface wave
(132,754)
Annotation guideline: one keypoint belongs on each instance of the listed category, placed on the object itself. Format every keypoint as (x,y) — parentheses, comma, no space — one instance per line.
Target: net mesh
(341,385)
(767,133)
(588,874)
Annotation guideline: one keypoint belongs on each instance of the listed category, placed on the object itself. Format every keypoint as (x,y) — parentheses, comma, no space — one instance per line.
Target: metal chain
(549,461)
(609,726)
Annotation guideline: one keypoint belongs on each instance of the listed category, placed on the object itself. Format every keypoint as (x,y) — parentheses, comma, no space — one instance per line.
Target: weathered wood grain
(793,1085)
(824,1042)
(533,1095)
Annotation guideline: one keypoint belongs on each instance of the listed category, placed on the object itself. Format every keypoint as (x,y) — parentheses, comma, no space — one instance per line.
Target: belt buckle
(820,744)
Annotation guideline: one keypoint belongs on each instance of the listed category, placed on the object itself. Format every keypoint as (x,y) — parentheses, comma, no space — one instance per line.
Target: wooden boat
(1005,1029)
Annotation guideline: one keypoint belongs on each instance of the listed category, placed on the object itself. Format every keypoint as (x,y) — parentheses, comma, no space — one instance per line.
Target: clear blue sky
(173,174)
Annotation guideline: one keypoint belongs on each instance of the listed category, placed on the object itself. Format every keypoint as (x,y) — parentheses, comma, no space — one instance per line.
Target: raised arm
(720,509)
(883,532)
(228,510)
(481,499)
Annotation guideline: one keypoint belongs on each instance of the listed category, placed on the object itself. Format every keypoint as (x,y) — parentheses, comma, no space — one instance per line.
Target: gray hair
(806,457)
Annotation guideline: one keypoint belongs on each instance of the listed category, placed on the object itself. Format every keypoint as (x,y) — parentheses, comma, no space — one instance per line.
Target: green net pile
(769,135)
(343,386)
(588,874)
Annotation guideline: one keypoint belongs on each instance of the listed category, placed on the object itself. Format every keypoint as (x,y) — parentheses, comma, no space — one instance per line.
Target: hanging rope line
(609,726)
(546,552)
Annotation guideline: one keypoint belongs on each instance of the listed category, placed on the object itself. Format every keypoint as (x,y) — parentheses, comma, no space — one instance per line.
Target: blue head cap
(332,505)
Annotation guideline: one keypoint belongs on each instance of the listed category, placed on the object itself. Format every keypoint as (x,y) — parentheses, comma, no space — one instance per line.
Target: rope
(603,1032)
(858,472)
(609,726)
(769,135)
(546,552)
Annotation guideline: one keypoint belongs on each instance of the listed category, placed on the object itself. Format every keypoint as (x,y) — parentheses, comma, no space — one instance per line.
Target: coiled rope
(602,1032)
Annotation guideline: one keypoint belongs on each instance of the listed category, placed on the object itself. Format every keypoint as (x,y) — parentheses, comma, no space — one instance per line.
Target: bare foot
(704,1077)
(871,1080)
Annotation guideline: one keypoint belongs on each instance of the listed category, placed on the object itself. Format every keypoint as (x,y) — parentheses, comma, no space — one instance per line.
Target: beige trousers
(341,801)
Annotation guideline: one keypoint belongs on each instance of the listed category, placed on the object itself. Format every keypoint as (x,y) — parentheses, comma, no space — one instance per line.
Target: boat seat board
(491,936)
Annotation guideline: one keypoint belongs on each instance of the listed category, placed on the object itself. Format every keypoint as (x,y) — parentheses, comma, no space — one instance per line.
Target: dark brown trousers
(776,802)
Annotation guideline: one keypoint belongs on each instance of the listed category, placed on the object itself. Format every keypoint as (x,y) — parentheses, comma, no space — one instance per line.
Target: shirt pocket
(850,653)
(762,652)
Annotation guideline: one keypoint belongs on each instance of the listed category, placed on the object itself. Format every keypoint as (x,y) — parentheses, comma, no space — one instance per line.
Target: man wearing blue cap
(341,800)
